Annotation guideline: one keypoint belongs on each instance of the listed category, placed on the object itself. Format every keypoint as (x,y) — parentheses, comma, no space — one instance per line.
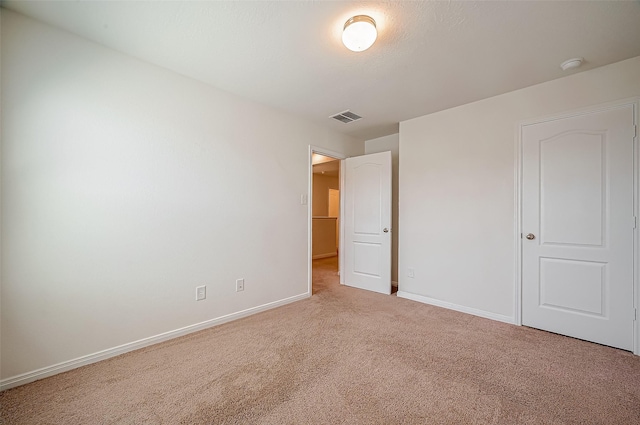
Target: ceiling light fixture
(359,33)
(571,63)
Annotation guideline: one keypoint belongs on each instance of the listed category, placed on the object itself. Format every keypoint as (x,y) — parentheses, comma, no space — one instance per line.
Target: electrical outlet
(411,273)
(239,285)
(201,293)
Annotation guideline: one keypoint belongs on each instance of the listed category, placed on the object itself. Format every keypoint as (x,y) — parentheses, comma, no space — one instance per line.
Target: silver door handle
(531,236)
(385,230)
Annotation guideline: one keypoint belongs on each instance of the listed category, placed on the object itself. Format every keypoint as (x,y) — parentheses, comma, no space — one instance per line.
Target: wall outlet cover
(201,293)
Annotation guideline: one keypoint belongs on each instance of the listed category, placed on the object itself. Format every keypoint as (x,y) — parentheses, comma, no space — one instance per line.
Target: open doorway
(362,251)
(325,221)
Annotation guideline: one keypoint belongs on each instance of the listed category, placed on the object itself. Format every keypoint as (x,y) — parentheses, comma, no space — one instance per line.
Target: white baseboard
(330,254)
(45,372)
(457,307)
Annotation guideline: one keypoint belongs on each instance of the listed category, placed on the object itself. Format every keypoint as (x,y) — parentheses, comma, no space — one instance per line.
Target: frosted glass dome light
(571,63)
(359,33)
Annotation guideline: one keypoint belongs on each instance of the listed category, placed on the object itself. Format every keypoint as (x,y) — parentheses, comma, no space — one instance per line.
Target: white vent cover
(346,117)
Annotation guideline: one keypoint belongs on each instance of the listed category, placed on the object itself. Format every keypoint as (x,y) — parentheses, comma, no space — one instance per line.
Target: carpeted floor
(345,356)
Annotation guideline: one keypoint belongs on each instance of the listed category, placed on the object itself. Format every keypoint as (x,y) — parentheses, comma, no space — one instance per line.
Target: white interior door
(367,222)
(577,224)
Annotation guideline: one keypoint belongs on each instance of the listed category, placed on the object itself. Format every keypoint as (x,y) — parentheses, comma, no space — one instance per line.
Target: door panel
(367,197)
(367,258)
(561,280)
(572,192)
(367,213)
(577,202)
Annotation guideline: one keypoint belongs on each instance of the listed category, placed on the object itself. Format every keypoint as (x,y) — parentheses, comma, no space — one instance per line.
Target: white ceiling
(429,55)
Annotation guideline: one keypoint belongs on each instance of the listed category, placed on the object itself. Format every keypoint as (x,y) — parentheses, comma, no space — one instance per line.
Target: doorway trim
(341,157)
(635,103)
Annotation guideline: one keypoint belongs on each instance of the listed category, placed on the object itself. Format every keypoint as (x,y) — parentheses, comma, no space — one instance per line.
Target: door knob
(531,236)
(385,230)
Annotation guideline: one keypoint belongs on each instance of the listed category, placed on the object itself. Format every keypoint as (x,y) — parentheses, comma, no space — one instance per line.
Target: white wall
(384,144)
(457,189)
(125,186)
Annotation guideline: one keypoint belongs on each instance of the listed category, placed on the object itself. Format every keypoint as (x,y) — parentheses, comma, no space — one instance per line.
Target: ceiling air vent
(346,117)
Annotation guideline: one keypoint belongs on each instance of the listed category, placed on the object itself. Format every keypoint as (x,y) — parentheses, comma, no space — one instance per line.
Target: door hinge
(635,221)
(635,314)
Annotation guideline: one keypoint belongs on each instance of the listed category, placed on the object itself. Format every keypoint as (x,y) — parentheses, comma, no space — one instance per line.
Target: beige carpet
(345,356)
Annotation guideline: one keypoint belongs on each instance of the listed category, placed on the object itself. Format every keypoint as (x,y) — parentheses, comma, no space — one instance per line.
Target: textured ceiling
(429,56)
